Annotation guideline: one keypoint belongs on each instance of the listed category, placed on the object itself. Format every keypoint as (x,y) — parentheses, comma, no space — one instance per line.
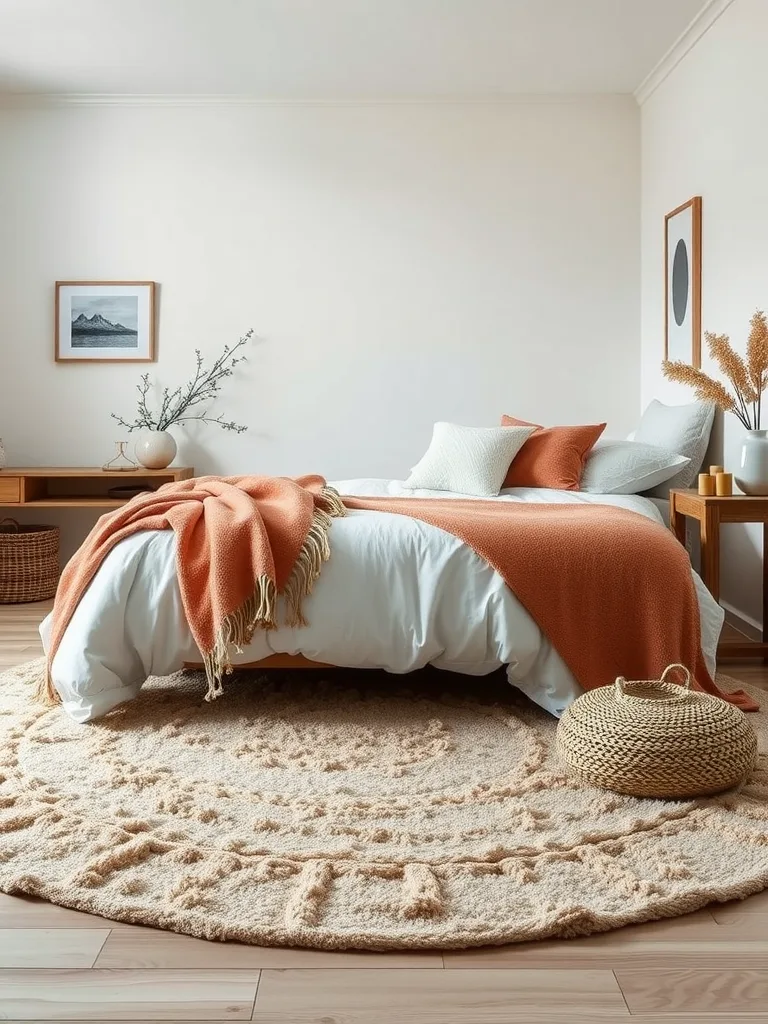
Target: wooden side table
(710,513)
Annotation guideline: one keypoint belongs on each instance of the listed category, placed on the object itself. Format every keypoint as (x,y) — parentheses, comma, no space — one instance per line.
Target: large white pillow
(468,460)
(684,429)
(628,467)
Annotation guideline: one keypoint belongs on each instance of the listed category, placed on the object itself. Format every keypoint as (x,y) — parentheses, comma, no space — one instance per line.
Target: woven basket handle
(13,522)
(685,685)
(686,674)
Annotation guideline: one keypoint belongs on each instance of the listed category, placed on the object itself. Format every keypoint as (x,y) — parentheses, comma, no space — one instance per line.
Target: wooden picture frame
(105,322)
(682,283)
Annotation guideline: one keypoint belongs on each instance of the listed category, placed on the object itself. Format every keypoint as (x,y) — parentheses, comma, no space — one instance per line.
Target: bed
(396,594)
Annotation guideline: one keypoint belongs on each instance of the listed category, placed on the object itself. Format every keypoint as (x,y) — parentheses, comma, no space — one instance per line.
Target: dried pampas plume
(704,387)
(748,379)
(732,365)
(757,351)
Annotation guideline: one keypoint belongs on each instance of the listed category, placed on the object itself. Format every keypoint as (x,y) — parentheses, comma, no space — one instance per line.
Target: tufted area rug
(349,812)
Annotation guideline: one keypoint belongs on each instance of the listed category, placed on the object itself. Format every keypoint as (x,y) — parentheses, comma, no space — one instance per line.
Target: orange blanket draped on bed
(611,589)
(241,541)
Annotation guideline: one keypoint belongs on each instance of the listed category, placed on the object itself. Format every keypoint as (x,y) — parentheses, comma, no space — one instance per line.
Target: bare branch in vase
(202,388)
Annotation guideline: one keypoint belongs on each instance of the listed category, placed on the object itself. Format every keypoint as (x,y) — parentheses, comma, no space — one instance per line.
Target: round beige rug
(302,812)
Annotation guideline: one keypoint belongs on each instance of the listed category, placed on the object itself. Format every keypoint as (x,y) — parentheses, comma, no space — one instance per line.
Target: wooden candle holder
(724,485)
(706,484)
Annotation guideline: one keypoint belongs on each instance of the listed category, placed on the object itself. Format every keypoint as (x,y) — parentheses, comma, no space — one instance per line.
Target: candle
(706,484)
(724,484)
(714,470)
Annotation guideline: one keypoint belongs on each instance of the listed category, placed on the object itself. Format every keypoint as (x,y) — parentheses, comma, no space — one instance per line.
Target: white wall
(401,263)
(703,133)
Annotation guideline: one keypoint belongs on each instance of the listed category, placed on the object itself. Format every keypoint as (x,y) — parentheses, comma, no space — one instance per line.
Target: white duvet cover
(397,594)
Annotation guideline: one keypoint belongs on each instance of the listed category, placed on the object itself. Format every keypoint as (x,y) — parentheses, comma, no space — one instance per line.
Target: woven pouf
(657,738)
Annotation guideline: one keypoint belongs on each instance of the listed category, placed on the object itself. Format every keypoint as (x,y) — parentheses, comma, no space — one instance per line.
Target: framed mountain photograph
(105,321)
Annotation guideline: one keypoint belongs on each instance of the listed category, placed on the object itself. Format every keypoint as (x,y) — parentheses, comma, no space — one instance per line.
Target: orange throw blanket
(610,588)
(241,541)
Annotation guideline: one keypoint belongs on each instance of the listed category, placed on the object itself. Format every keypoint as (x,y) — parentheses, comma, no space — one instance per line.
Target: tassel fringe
(336,508)
(236,631)
(45,692)
(259,611)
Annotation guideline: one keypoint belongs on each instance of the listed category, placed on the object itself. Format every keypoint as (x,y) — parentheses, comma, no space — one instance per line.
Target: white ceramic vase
(752,476)
(155,449)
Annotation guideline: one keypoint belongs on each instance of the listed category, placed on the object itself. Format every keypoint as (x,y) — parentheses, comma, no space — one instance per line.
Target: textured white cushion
(628,467)
(684,429)
(468,460)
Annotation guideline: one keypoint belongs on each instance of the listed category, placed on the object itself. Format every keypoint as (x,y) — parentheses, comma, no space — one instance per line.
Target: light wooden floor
(58,964)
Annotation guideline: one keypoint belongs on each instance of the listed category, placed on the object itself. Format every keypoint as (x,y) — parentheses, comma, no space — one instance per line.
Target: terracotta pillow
(552,456)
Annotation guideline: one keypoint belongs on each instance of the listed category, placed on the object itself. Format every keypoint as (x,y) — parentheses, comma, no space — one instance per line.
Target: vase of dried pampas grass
(748,379)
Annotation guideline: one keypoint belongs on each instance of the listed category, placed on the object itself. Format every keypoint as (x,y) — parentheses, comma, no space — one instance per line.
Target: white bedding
(397,594)
(662,504)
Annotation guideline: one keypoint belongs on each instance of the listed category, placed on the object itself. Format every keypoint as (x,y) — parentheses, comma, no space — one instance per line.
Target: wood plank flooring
(63,965)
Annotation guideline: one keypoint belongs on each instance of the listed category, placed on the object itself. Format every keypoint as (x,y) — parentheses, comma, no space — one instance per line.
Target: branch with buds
(183,404)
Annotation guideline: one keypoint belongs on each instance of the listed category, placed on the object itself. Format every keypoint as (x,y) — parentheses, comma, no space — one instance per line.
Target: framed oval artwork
(682,283)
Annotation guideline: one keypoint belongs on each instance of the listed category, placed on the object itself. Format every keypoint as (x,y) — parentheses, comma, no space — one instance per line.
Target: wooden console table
(63,487)
(710,512)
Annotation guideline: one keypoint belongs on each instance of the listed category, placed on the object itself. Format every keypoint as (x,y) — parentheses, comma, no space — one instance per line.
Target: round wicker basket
(29,562)
(656,738)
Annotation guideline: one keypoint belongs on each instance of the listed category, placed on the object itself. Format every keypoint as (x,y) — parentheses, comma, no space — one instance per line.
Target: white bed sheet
(397,594)
(662,504)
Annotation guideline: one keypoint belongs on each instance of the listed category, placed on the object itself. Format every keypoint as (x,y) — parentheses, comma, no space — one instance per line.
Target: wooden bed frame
(273,661)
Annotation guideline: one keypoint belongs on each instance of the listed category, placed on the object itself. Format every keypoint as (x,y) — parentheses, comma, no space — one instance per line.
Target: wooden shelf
(73,501)
(64,472)
(85,487)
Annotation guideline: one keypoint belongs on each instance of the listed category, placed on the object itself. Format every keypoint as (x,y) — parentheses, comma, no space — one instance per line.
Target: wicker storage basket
(656,738)
(29,562)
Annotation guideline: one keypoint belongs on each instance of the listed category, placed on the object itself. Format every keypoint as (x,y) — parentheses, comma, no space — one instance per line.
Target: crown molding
(701,24)
(32,101)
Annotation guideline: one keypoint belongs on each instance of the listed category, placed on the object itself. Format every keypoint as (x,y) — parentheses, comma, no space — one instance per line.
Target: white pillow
(684,429)
(468,460)
(628,467)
